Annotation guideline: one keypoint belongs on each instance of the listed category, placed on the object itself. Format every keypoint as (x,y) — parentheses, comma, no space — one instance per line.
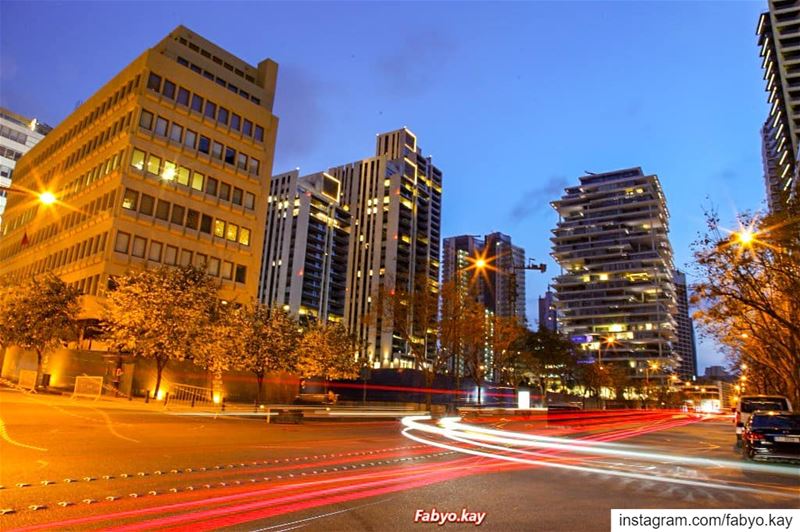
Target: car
(750,403)
(772,435)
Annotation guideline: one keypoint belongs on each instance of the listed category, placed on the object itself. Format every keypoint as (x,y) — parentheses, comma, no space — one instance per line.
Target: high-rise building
(615,295)
(684,344)
(305,247)
(501,285)
(395,201)
(18,134)
(779,40)
(548,317)
(167,163)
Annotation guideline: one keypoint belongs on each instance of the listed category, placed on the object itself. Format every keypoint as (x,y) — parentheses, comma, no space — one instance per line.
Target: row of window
(179,215)
(137,246)
(13,134)
(205,107)
(98,111)
(192,140)
(218,60)
(98,140)
(82,181)
(87,285)
(8,153)
(170,171)
(81,250)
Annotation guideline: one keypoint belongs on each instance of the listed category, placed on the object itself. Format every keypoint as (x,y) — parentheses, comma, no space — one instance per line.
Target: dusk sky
(513,100)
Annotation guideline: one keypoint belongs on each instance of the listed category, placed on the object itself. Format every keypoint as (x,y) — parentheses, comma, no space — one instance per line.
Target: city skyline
(514,115)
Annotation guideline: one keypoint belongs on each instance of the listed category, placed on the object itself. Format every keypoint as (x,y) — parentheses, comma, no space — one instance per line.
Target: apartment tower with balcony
(615,295)
(684,343)
(167,163)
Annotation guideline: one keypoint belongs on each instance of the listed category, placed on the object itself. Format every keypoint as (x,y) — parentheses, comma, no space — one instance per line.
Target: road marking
(6,437)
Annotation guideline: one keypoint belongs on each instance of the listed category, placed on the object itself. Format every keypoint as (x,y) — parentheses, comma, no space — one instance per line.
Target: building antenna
(588,172)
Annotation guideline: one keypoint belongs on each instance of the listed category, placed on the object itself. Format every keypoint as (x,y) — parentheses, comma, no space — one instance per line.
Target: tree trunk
(38,367)
(160,365)
(429,378)
(260,380)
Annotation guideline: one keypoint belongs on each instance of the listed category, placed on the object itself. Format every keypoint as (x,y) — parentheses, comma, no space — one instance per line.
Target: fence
(91,387)
(184,394)
(27,380)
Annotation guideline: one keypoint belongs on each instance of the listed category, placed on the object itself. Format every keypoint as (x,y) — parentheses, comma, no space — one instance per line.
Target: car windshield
(776,421)
(764,403)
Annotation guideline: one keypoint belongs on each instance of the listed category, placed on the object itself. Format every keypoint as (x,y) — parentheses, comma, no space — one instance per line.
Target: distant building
(615,296)
(547,312)
(780,134)
(305,247)
(18,134)
(684,345)
(716,373)
(501,285)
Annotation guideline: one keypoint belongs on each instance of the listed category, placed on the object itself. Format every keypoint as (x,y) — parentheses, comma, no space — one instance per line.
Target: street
(130,466)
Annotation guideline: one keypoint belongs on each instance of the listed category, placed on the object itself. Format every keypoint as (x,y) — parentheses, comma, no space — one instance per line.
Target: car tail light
(755,436)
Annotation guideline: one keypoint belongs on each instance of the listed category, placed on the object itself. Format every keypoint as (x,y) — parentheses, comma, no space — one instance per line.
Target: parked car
(750,403)
(772,436)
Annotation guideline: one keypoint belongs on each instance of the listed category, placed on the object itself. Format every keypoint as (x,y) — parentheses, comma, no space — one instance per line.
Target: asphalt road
(133,466)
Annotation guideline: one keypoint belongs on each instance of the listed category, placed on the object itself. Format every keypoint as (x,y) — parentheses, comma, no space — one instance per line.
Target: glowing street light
(745,236)
(480,263)
(47,197)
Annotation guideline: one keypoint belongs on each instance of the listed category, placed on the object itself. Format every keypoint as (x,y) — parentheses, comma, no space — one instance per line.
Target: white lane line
(9,439)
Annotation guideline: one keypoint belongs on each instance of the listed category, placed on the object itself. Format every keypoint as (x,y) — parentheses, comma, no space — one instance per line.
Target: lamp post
(44,197)
(477,265)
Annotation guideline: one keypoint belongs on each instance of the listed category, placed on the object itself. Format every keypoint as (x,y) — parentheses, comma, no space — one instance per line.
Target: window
(168,173)
(249,200)
(155,251)
(219,228)
(197,103)
(154,82)
(237,196)
(227,270)
(182,175)
(162,210)
(259,133)
(211,186)
(192,219)
(170,255)
(216,150)
(233,231)
(139,245)
(169,89)
(248,128)
(130,199)
(153,164)
(175,132)
(241,273)
(236,122)
(213,266)
(200,259)
(122,241)
(222,116)
(230,155)
(137,159)
(190,139)
(241,161)
(183,96)
(211,110)
(186,257)
(224,191)
(177,214)
(161,127)
(197,181)
(244,236)
(146,120)
(205,224)
(147,204)
(204,145)
(254,164)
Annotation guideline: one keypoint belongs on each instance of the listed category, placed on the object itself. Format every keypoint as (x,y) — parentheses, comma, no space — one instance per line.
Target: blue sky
(513,100)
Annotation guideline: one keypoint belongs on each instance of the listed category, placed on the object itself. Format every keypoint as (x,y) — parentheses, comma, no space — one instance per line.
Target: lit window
(169,171)
(244,236)
(153,164)
(219,228)
(197,181)
(232,232)
(137,159)
(183,175)
(130,199)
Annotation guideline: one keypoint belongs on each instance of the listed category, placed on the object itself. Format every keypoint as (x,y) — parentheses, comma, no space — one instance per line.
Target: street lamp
(745,236)
(44,197)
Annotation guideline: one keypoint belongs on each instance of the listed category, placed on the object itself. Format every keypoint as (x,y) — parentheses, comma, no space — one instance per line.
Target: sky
(514,101)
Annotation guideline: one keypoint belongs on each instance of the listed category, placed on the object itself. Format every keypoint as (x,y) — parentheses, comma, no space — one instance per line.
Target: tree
(267,341)
(38,315)
(328,351)
(749,295)
(474,342)
(163,314)
(507,336)
(548,355)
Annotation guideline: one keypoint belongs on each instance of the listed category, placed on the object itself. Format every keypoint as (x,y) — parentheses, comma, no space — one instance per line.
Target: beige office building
(168,163)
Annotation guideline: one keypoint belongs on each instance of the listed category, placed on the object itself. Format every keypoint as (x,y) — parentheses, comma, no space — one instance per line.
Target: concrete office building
(305,247)
(501,285)
(394,199)
(616,280)
(167,163)
(548,317)
(18,134)
(684,345)
(778,33)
